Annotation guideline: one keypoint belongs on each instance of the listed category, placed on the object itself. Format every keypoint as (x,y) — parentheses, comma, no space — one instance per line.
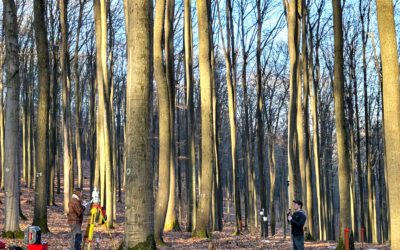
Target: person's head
(297,205)
(78,192)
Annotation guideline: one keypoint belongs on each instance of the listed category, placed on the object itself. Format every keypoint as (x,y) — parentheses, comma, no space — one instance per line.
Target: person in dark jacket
(297,220)
(75,218)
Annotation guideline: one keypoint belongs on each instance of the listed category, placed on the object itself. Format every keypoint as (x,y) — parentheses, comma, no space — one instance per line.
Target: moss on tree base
(42,223)
(309,237)
(200,233)
(149,244)
(13,234)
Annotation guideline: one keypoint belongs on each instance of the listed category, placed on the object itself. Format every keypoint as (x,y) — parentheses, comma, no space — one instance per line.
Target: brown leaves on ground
(58,238)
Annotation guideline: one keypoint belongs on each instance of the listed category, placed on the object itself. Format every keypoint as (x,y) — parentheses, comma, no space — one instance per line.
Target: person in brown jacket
(75,218)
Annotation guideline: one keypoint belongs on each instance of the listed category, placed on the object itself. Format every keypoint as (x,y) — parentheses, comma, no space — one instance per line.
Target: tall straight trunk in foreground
(139,216)
(171,221)
(343,150)
(11,143)
(65,125)
(203,212)
(191,180)
(40,211)
(391,104)
(164,105)
(294,173)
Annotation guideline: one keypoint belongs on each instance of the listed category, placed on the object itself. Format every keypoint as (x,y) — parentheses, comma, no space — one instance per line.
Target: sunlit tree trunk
(65,125)
(171,221)
(294,173)
(139,216)
(342,143)
(391,104)
(307,161)
(164,105)
(191,180)
(40,210)
(206,75)
(11,181)
(104,113)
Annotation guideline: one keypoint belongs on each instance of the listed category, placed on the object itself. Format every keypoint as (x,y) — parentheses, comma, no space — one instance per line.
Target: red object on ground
(2,245)
(346,239)
(37,246)
(362,235)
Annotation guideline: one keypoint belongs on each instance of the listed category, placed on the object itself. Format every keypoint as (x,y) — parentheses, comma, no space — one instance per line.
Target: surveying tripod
(96,212)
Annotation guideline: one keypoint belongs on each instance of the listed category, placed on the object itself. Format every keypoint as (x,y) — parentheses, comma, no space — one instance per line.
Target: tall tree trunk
(191,180)
(231,83)
(341,135)
(78,140)
(164,105)
(53,124)
(294,173)
(139,217)
(11,169)
(306,82)
(68,180)
(249,166)
(259,121)
(391,104)
(217,185)
(206,75)
(371,233)
(40,211)
(354,201)
(171,221)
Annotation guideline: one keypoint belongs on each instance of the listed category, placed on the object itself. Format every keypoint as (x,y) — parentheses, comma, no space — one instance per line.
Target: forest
(200,124)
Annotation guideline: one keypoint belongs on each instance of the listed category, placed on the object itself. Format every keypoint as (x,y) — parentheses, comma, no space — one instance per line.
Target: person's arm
(298,219)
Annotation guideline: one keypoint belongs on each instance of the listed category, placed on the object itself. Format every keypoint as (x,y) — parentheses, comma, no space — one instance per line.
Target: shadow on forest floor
(58,238)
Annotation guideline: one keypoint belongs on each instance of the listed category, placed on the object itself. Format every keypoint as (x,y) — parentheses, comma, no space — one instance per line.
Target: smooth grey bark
(40,210)
(11,169)
(139,208)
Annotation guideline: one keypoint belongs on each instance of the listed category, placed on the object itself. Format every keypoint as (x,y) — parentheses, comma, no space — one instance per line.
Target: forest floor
(58,238)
